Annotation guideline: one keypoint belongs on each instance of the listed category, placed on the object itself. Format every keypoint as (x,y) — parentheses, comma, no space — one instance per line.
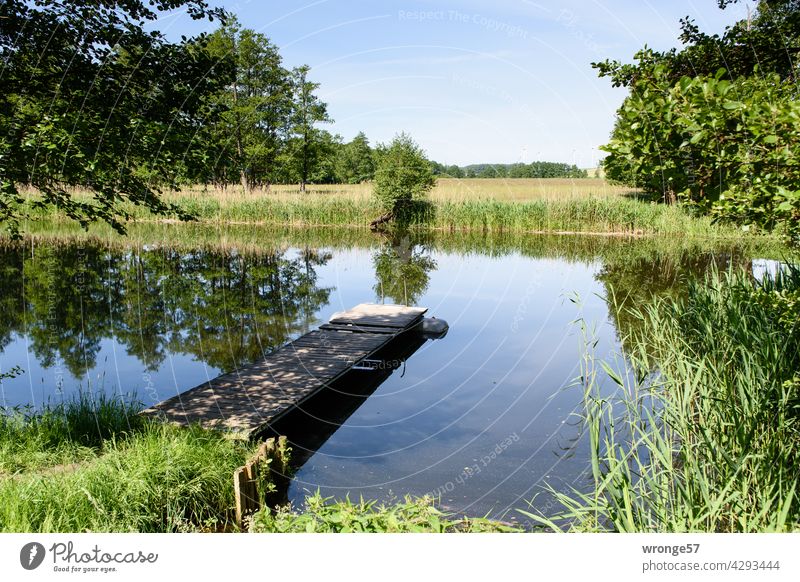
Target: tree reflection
(224,308)
(638,282)
(402,267)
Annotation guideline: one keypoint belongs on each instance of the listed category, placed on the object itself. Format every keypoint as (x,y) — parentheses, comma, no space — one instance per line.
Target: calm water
(482,418)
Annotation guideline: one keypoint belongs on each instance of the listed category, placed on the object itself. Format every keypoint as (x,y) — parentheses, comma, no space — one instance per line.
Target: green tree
(256,106)
(454,171)
(325,169)
(724,141)
(769,42)
(90,97)
(519,170)
(403,177)
(307,148)
(355,162)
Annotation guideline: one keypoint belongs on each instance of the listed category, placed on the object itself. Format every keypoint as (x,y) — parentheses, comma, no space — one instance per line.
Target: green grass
(590,215)
(93,465)
(704,431)
(581,206)
(142,477)
(68,433)
(413,515)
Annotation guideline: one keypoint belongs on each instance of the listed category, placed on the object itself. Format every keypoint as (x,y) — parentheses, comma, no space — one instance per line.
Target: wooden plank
(357,328)
(251,482)
(252,396)
(394,316)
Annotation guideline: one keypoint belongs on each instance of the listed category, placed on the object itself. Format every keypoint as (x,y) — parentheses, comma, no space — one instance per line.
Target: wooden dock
(250,398)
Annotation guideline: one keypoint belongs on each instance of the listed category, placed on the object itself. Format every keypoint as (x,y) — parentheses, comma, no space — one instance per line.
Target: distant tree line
(518,170)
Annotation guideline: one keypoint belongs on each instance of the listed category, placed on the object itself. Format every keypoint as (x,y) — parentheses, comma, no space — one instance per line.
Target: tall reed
(596,208)
(703,433)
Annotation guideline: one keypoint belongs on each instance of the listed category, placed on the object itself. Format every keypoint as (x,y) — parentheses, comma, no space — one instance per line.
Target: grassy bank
(495,206)
(612,215)
(95,465)
(711,440)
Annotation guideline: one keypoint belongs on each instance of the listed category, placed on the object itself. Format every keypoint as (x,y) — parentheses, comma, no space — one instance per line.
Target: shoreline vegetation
(559,206)
(703,434)
(93,464)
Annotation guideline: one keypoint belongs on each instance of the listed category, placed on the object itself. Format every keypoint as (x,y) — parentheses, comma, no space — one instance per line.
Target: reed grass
(446,190)
(71,432)
(703,433)
(485,205)
(615,215)
(594,216)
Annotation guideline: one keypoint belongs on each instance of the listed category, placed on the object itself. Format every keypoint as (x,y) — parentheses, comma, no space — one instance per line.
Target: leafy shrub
(726,147)
(403,174)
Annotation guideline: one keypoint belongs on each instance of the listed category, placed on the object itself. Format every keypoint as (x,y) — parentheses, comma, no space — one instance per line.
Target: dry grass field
(446,190)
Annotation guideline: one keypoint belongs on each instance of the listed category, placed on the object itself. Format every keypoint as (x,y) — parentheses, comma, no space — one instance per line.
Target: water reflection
(402,268)
(224,309)
(638,280)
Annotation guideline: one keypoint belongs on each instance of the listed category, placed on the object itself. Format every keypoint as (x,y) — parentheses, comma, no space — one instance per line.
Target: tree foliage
(518,170)
(91,99)
(255,107)
(268,124)
(307,148)
(402,174)
(724,141)
(355,163)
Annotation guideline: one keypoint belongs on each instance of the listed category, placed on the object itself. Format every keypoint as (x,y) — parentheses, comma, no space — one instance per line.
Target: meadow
(586,206)
(446,190)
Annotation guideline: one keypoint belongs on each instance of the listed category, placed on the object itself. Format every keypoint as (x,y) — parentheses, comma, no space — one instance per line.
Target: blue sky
(471,81)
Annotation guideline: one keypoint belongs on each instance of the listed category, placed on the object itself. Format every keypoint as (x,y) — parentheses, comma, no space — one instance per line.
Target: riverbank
(588,206)
(93,464)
